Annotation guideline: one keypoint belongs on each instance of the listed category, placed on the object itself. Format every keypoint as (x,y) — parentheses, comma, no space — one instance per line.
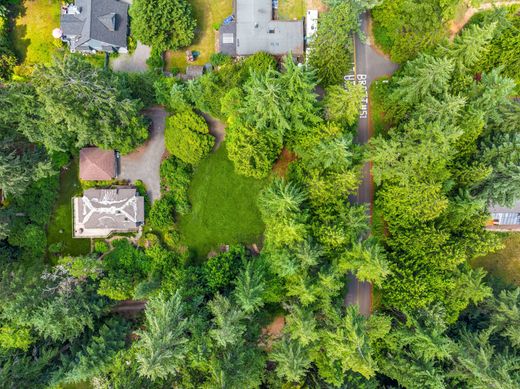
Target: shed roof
(96,164)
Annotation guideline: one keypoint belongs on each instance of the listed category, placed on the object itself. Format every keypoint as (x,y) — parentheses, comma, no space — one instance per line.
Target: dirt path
(216,128)
(457,25)
(129,306)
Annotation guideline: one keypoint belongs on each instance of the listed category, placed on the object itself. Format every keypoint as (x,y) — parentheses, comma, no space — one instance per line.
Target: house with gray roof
(101,212)
(504,218)
(253,30)
(91,26)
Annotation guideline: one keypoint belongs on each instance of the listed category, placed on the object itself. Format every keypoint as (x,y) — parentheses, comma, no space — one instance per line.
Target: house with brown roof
(101,212)
(504,219)
(97,165)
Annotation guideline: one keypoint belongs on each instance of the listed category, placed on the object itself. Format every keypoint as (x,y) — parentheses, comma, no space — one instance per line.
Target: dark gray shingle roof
(104,22)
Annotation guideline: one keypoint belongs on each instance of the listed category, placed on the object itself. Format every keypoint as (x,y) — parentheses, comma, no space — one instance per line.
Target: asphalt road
(369,66)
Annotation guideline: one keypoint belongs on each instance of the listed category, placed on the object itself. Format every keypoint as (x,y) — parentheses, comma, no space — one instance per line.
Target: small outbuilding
(97,165)
(505,219)
(194,71)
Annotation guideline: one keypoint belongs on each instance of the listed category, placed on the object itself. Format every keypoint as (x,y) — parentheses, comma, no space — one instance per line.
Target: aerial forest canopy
(147,311)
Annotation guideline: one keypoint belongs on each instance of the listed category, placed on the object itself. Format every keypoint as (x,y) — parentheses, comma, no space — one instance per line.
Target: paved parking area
(145,163)
(135,62)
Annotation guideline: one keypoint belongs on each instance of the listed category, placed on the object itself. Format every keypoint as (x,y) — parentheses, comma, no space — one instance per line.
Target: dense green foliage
(7,57)
(163,24)
(505,45)
(108,118)
(188,304)
(175,181)
(445,160)
(331,48)
(269,111)
(187,137)
(404,28)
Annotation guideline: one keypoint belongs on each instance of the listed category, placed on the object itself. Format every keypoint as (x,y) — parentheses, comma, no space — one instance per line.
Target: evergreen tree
(292,360)
(162,345)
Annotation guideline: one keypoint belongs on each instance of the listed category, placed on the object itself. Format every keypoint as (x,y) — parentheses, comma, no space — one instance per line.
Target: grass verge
(505,263)
(377,95)
(291,9)
(32,33)
(209,14)
(60,227)
(224,207)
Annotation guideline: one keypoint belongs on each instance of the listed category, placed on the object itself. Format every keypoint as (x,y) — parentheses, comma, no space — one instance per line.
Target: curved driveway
(145,163)
(369,66)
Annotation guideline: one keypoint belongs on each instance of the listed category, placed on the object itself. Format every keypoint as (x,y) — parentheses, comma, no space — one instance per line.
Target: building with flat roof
(253,30)
(504,218)
(101,212)
(90,26)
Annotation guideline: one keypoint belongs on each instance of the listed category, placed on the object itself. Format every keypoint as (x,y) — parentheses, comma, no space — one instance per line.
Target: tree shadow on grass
(19,32)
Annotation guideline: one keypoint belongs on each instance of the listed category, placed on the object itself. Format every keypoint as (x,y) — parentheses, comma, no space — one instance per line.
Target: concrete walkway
(133,63)
(369,66)
(145,163)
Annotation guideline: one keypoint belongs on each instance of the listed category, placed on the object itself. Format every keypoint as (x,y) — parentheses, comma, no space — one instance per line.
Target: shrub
(176,177)
(171,94)
(259,63)
(219,59)
(101,247)
(156,60)
(141,189)
(221,270)
(187,137)
(55,248)
(161,214)
(141,86)
(172,238)
(125,267)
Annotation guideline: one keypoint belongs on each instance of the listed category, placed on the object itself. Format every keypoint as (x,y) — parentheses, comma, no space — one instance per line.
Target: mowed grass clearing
(224,209)
(291,9)
(505,263)
(32,33)
(208,13)
(60,226)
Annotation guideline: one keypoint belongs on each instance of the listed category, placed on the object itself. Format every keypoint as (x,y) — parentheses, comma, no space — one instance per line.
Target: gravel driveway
(135,62)
(145,163)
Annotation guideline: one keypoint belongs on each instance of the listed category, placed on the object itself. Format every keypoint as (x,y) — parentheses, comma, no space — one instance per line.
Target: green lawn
(60,226)
(224,207)
(291,9)
(505,263)
(32,33)
(208,13)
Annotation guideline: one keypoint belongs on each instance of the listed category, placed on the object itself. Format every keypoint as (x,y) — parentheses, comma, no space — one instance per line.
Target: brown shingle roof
(96,164)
